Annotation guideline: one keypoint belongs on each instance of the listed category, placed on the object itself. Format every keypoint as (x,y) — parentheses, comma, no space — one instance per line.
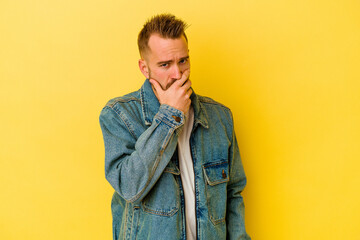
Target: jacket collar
(150,106)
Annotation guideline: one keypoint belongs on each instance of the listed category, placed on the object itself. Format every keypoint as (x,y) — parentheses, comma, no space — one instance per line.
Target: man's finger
(184,77)
(189,92)
(187,84)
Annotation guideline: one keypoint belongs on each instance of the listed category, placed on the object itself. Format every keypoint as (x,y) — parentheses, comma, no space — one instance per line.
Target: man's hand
(177,95)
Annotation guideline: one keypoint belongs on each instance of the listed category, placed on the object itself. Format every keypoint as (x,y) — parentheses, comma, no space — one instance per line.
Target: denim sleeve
(133,165)
(235,219)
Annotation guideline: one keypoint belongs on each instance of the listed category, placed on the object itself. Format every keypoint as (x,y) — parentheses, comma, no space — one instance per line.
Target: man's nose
(177,73)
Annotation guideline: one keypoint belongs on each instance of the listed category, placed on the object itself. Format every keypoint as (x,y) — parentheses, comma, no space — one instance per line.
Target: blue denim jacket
(141,164)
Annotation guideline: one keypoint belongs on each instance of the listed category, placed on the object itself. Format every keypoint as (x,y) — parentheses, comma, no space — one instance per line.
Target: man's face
(166,60)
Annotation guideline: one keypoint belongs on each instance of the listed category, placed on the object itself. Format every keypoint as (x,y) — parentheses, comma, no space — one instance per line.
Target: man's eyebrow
(162,62)
(184,57)
(169,61)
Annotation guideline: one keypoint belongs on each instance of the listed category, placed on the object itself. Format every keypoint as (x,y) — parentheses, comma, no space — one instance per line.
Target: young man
(170,154)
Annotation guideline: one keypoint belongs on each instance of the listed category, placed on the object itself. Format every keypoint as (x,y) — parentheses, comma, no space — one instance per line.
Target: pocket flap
(216,172)
(172,168)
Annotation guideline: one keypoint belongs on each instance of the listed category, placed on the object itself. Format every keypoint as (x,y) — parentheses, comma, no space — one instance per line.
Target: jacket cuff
(171,116)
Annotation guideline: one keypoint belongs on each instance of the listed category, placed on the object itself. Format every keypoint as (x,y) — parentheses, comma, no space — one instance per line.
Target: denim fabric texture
(141,164)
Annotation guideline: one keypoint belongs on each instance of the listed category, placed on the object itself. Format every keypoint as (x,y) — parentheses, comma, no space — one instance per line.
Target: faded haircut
(166,25)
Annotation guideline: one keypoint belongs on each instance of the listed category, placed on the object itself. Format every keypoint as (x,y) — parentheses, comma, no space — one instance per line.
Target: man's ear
(144,68)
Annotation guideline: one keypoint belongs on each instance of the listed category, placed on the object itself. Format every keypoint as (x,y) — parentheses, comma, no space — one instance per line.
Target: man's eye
(164,65)
(183,61)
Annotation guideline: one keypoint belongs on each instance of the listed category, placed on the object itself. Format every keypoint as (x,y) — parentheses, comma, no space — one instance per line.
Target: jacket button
(177,119)
(223,173)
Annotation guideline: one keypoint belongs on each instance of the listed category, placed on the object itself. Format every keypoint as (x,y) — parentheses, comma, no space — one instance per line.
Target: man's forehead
(163,46)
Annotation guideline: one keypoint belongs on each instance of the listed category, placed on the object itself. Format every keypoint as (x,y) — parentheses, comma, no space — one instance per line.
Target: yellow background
(289,70)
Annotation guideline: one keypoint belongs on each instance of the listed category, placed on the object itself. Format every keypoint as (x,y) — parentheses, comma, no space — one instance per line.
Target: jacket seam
(119,113)
(215,164)
(171,171)
(126,215)
(232,143)
(160,213)
(205,100)
(115,101)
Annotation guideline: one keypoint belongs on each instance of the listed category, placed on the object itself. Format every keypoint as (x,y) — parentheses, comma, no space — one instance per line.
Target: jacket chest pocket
(216,176)
(164,197)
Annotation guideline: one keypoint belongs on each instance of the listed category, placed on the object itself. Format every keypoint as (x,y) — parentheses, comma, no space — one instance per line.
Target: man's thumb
(156,85)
